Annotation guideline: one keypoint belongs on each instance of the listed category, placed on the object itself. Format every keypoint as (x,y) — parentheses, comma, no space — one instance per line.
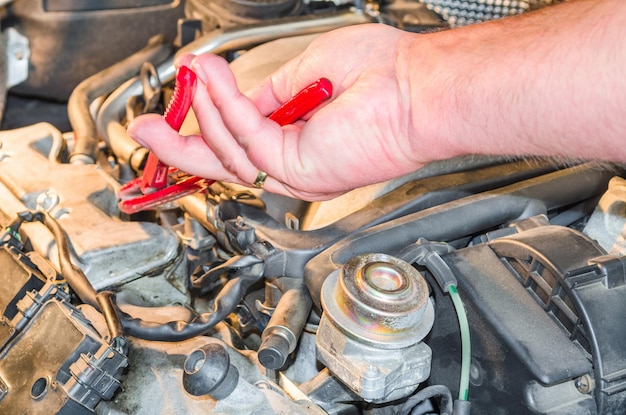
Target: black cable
(232,265)
(225,303)
(434,391)
(246,270)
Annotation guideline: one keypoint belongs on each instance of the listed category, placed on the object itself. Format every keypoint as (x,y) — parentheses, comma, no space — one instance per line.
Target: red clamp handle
(303,102)
(155,171)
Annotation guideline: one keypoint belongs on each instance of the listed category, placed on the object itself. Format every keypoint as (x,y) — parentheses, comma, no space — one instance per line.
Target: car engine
(483,284)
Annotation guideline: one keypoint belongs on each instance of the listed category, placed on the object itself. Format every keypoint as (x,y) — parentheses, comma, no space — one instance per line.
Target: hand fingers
(239,139)
(192,152)
(314,63)
(152,131)
(221,157)
(274,186)
(184,60)
(233,126)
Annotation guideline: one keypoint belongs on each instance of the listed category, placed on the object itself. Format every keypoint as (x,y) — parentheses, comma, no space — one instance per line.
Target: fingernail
(199,71)
(133,134)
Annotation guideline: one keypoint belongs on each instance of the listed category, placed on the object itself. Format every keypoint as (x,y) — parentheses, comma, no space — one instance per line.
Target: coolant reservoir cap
(379,299)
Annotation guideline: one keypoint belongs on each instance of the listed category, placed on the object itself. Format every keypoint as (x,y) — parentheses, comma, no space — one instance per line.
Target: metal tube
(196,206)
(223,40)
(99,84)
(281,335)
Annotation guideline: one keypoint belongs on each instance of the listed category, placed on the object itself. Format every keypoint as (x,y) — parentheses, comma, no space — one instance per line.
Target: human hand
(362,136)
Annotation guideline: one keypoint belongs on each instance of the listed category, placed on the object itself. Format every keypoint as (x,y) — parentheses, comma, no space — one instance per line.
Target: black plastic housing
(537,304)
(52,359)
(72,40)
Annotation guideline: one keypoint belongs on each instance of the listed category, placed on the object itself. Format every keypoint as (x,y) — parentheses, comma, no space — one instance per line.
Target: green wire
(465,343)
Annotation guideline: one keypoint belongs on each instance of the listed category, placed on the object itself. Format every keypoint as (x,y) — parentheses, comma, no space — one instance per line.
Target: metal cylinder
(376,312)
(281,335)
(379,300)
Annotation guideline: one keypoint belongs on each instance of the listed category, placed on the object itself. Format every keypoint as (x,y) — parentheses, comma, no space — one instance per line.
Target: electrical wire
(465,343)
(225,303)
(428,254)
(429,392)
(244,272)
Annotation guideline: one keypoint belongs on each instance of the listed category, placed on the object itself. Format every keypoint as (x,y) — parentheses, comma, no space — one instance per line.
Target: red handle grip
(303,102)
(155,171)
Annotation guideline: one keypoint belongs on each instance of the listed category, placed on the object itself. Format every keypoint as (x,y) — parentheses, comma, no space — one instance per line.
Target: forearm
(546,83)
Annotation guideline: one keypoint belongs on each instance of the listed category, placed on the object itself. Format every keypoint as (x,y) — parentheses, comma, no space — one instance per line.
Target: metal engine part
(111,252)
(376,312)
(228,13)
(53,359)
(607,223)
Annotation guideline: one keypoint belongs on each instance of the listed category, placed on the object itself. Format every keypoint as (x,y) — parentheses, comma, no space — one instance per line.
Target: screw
(585,384)
(48,200)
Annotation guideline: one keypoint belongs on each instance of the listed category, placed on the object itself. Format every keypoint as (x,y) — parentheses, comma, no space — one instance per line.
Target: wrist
(432,87)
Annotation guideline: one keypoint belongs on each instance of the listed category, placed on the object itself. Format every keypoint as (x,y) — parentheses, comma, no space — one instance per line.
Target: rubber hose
(103,82)
(109,311)
(225,303)
(429,392)
(75,276)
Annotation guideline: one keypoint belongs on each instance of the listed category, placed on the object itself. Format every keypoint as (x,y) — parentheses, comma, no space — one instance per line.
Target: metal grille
(461,13)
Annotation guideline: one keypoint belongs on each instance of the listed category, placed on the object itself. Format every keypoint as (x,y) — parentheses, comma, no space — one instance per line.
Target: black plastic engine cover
(536,303)
(71,40)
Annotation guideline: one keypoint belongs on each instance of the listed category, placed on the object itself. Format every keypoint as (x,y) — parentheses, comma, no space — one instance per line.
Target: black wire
(233,265)
(434,391)
(225,303)
(246,270)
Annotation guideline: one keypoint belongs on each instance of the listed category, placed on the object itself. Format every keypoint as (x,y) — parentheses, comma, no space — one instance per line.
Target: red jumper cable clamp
(155,172)
(151,189)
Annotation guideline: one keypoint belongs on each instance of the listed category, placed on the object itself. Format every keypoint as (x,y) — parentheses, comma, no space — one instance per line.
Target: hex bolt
(47,200)
(372,372)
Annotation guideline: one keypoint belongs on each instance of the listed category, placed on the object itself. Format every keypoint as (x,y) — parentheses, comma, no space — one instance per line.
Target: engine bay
(495,282)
